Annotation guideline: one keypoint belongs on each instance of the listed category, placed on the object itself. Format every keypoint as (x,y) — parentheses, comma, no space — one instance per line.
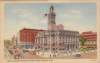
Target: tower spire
(51,18)
(51,8)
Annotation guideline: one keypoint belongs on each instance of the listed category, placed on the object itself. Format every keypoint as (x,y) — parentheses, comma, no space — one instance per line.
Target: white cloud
(18,11)
(71,25)
(72,11)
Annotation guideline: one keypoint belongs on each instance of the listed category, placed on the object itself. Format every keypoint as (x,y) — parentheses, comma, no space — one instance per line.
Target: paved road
(87,55)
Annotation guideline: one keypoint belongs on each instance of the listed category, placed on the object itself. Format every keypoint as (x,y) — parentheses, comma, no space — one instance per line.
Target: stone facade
(57,41)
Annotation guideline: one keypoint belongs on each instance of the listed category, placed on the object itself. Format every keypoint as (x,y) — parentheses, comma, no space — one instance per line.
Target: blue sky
(74,16)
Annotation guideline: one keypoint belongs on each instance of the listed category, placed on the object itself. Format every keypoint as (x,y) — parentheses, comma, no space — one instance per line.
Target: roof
(32,29)
(91,36)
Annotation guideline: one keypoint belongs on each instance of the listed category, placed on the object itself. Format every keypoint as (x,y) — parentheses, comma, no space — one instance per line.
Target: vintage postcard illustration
(50,31)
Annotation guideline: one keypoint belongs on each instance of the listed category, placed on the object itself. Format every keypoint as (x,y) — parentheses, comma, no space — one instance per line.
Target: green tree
(7,43)
(82,41)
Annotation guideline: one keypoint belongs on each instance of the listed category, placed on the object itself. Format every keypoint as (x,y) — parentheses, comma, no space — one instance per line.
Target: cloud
(69,14)
(72,25)
(72,11)
(22,12)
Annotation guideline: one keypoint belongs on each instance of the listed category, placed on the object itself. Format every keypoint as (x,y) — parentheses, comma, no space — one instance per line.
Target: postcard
(49,31)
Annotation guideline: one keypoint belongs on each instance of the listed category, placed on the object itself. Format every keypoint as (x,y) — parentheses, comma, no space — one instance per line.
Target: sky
(74,16)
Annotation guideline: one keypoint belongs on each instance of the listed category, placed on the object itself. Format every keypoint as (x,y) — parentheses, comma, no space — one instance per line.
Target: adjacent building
(26,37)
(91,39)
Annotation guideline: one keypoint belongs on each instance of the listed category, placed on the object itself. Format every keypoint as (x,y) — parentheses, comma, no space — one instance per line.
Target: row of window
(59,33)
(43,40)
(60,48)
(90,42)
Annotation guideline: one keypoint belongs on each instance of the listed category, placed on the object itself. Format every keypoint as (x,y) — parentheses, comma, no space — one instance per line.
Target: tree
(7,43)
(82,41)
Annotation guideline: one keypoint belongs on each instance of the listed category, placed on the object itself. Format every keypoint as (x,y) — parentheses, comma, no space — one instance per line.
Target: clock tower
(51,18)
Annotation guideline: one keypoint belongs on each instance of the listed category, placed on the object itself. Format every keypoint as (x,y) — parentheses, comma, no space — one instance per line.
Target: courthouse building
(56,39)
